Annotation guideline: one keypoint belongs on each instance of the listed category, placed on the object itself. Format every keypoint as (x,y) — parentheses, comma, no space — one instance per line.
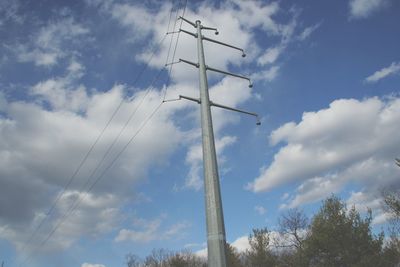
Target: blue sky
(326,85)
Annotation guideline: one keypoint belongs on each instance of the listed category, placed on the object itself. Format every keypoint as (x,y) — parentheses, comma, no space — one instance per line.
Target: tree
(293,230)
(157,258)
(259,254)
(165,258)
(184,259)
(340,237)
(132,260)
(391,202)
(233,256)
(391,252)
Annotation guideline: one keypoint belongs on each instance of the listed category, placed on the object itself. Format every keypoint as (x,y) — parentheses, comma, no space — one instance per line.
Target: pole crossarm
(211,29)
(216,70)
(172,32)
(225,44)
(187,32)
(190,98)
(216,237)
(198,101)
(189,62)
(214,41)
(188,21)
(231,74)
(172,63)
(237,110)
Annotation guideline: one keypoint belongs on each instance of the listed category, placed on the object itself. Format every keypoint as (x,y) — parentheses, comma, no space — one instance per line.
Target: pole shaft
(216,240)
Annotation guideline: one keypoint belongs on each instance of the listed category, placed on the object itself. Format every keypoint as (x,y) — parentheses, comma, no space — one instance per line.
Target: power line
(83,161)
(77,203)
(216,237)
(80,199)
(173,30)
(176,45)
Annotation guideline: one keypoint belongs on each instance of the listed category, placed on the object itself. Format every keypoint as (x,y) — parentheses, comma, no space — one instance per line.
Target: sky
(94,166)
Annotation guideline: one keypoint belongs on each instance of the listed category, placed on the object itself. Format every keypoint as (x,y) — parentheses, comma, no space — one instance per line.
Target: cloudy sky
(93,165)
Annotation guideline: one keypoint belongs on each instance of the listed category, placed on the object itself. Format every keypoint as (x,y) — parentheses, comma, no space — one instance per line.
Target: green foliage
(259,254)
(335,237)
(164,258)
(293,226)
(132,260)
(340,237)
(391,252)
(391,204)
(234,258)
(184,259)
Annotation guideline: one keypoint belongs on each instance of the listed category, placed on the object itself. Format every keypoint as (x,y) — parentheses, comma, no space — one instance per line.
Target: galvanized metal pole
(216,241)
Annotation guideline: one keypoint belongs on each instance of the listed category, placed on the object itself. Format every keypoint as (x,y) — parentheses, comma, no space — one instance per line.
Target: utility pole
(216,240)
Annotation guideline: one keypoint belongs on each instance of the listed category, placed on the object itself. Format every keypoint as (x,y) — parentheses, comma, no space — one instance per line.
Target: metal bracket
(190,98)
(230,74)
(189,62)
(187,21)
(206,38)
(224,44)
(190,33)
(258,122)
(172,63)
(172,32)
(209,28)
(216,70)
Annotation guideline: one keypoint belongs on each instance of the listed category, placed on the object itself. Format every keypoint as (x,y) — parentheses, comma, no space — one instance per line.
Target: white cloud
(306,33)
(151,230)
(40,58)
(351,141)
(75,68)
(137,18)
(194,158)
(235,21)
(202,253)
(278,242)
(241,243)
(363,201)
(42,142)
(260,210)
(381,218)
(258,14)
(10,11)
(48,44)
(314,189)
(270,55)
(364,8)
(63,92)
(228,92)
(394,68)
(266,75)
(55,93)
(92,265)
(40,148)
